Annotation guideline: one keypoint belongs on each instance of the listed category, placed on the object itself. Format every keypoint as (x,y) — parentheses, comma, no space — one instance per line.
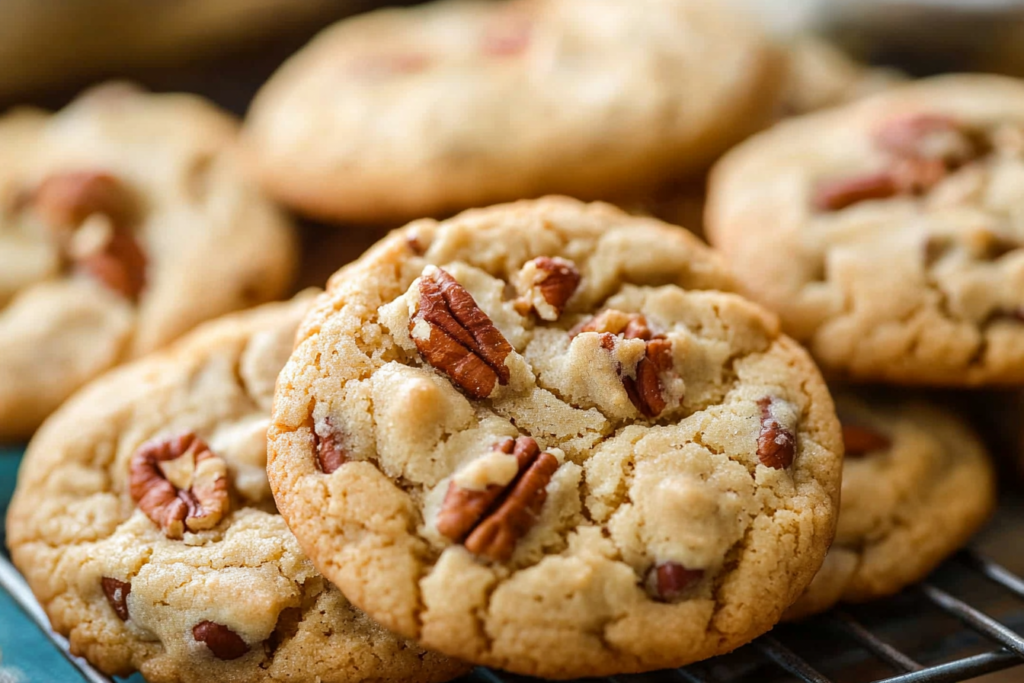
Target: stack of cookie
(547,436)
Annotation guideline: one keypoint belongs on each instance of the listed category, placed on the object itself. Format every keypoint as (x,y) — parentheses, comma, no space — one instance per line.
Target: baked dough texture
(237,601)
(887,233)
(423,111)
(125,220)
(685,454)
(917,483)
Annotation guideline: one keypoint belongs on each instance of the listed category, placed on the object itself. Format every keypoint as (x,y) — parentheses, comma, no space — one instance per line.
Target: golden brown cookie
(124,221)
(404,113)
(917,483)
(543,437)
(887,234)
(144,524)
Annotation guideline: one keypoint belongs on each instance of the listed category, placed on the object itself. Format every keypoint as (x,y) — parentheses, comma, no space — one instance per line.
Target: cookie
(820,75)
(124,222)
(143,522)
(917,483)
(542,437)
(887,233)
(405,113)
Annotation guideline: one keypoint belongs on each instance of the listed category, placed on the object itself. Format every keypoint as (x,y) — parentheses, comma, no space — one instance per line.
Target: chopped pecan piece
(610,320)
(668,581)
(65,200)
(860,440)
(200,505)
(222,641)
(415,244)
(923,149)
(776,445)
(330,455)
(546,285)
(646,392)
(120,265)
(459,339)
(464,508)
(116,593)
(833,195)
(491,521)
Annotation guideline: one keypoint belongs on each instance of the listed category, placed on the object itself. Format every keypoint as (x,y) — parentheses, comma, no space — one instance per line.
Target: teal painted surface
(26,655)
(9,459)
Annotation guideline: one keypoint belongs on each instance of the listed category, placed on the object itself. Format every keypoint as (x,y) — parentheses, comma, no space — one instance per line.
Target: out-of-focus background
(226,49)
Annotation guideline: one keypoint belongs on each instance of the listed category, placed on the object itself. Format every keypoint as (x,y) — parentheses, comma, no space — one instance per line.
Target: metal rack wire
(773,657)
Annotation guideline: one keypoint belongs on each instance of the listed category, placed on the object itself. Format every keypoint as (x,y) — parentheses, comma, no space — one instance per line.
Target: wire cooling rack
(940,627)
(925,635)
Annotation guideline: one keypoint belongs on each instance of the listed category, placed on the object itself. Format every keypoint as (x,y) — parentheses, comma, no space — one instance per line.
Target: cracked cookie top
(917,483)
(423,111)
(144,524)
(887,234)
(542,436)
(125,220)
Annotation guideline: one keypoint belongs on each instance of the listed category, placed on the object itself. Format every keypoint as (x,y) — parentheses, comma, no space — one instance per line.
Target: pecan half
(496,536)
(222,641)
(491,521)
(464,508)
(199,506)
(860,440)
(330,454)
(776,444)
(65,200)
(545,285)
(459,340)
(116,593)
(668,581)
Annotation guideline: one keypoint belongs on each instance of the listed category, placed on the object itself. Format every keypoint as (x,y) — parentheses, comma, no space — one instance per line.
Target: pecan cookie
(143,522)
(820,75)
(888,233)
(917,483)
(404,113)
(124,222)
(541,436)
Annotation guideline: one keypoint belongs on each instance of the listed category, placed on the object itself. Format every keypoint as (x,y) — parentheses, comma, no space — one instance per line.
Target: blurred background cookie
(917,484)
(399,114)
(888,233)
(125,220)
